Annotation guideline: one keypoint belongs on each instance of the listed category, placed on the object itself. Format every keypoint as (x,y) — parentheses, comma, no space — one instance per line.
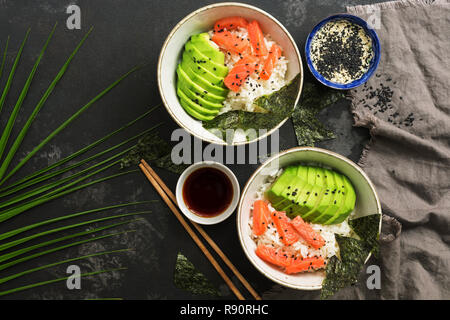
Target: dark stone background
(127,33)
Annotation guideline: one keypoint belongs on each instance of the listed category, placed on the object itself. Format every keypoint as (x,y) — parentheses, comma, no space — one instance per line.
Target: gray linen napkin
(406,106)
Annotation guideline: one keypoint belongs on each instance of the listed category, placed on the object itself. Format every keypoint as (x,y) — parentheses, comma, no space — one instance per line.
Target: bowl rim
(180,24)
(375,45)
(252,177)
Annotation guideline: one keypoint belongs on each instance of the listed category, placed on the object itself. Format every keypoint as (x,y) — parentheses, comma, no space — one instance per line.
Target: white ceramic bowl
(367,203)
(207,220)
(203,20)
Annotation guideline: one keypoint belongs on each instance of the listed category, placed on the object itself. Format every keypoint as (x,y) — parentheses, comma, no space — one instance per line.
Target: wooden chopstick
(204,234)
(191,232)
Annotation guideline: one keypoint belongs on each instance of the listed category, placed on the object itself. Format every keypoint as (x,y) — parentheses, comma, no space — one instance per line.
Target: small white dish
(221,216)
(203,20)
(367,203)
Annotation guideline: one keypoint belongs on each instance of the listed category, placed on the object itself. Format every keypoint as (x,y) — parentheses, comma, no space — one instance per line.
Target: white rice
(253,88)
(272,238)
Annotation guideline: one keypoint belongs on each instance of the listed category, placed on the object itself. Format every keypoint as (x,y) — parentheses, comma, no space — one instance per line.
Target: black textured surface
(127,33)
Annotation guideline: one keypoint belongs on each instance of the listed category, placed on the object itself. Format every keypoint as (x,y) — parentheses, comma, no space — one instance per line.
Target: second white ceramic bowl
(367,203)
(202,20)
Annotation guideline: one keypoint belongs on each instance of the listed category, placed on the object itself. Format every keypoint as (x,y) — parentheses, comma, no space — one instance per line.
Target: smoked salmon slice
(274,256)
(230,23)
(308,233)
(271,62)
(287,233)
(240,72)
(261,216)
(257,39)
(304,264)
(231,42)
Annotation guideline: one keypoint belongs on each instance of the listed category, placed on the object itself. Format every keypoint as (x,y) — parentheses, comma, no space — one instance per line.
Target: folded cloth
(406,106)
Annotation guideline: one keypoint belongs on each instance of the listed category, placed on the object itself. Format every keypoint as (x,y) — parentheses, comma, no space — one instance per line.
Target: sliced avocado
(312,202)
(195,96)
(203,82)
(338,214)
(311,175)
(297,207)
(189,61)
(200,59)
(328,197)
(185,82)
(194,113)
(300,205)
(195,105)
(274,194)
(302,172)
(204,45)
(316,195)
(351,201)
(348,205)
(338,199)
(290,204)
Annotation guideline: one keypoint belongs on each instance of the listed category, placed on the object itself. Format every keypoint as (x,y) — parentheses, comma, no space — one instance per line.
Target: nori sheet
(165,162)
(275,106)
(315,97)
(367,229)
(155,150)
(344,272)
(187,277)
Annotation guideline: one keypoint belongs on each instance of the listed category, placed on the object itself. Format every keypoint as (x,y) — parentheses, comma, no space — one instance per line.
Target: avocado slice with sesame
(189,60)
(202,81)
(199,98)
(185,82)
(328,197)
(195,105)
(192,107)
(297,186)
(194,113)
(337,201)
(347,191)
(291,205)
(299,205)
(316,195)
(275,193)
(202,60)
(205,46)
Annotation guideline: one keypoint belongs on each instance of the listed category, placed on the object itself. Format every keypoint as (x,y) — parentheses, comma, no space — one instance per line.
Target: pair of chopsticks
(171,201)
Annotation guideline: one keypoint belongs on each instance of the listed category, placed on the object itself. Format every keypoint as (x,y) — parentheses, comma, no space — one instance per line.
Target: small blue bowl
(375,47)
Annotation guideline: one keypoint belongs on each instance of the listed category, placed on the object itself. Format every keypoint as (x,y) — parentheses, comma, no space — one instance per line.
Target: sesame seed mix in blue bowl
(342,51)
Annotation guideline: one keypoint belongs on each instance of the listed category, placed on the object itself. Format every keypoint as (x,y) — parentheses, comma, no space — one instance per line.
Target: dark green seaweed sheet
(344,272)
(165,162)
(155,150)
(367,229)
(150,147)
(187,277)
(278,106)
(315,97)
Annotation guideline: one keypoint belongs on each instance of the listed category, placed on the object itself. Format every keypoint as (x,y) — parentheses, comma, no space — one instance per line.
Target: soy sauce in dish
(207,192)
